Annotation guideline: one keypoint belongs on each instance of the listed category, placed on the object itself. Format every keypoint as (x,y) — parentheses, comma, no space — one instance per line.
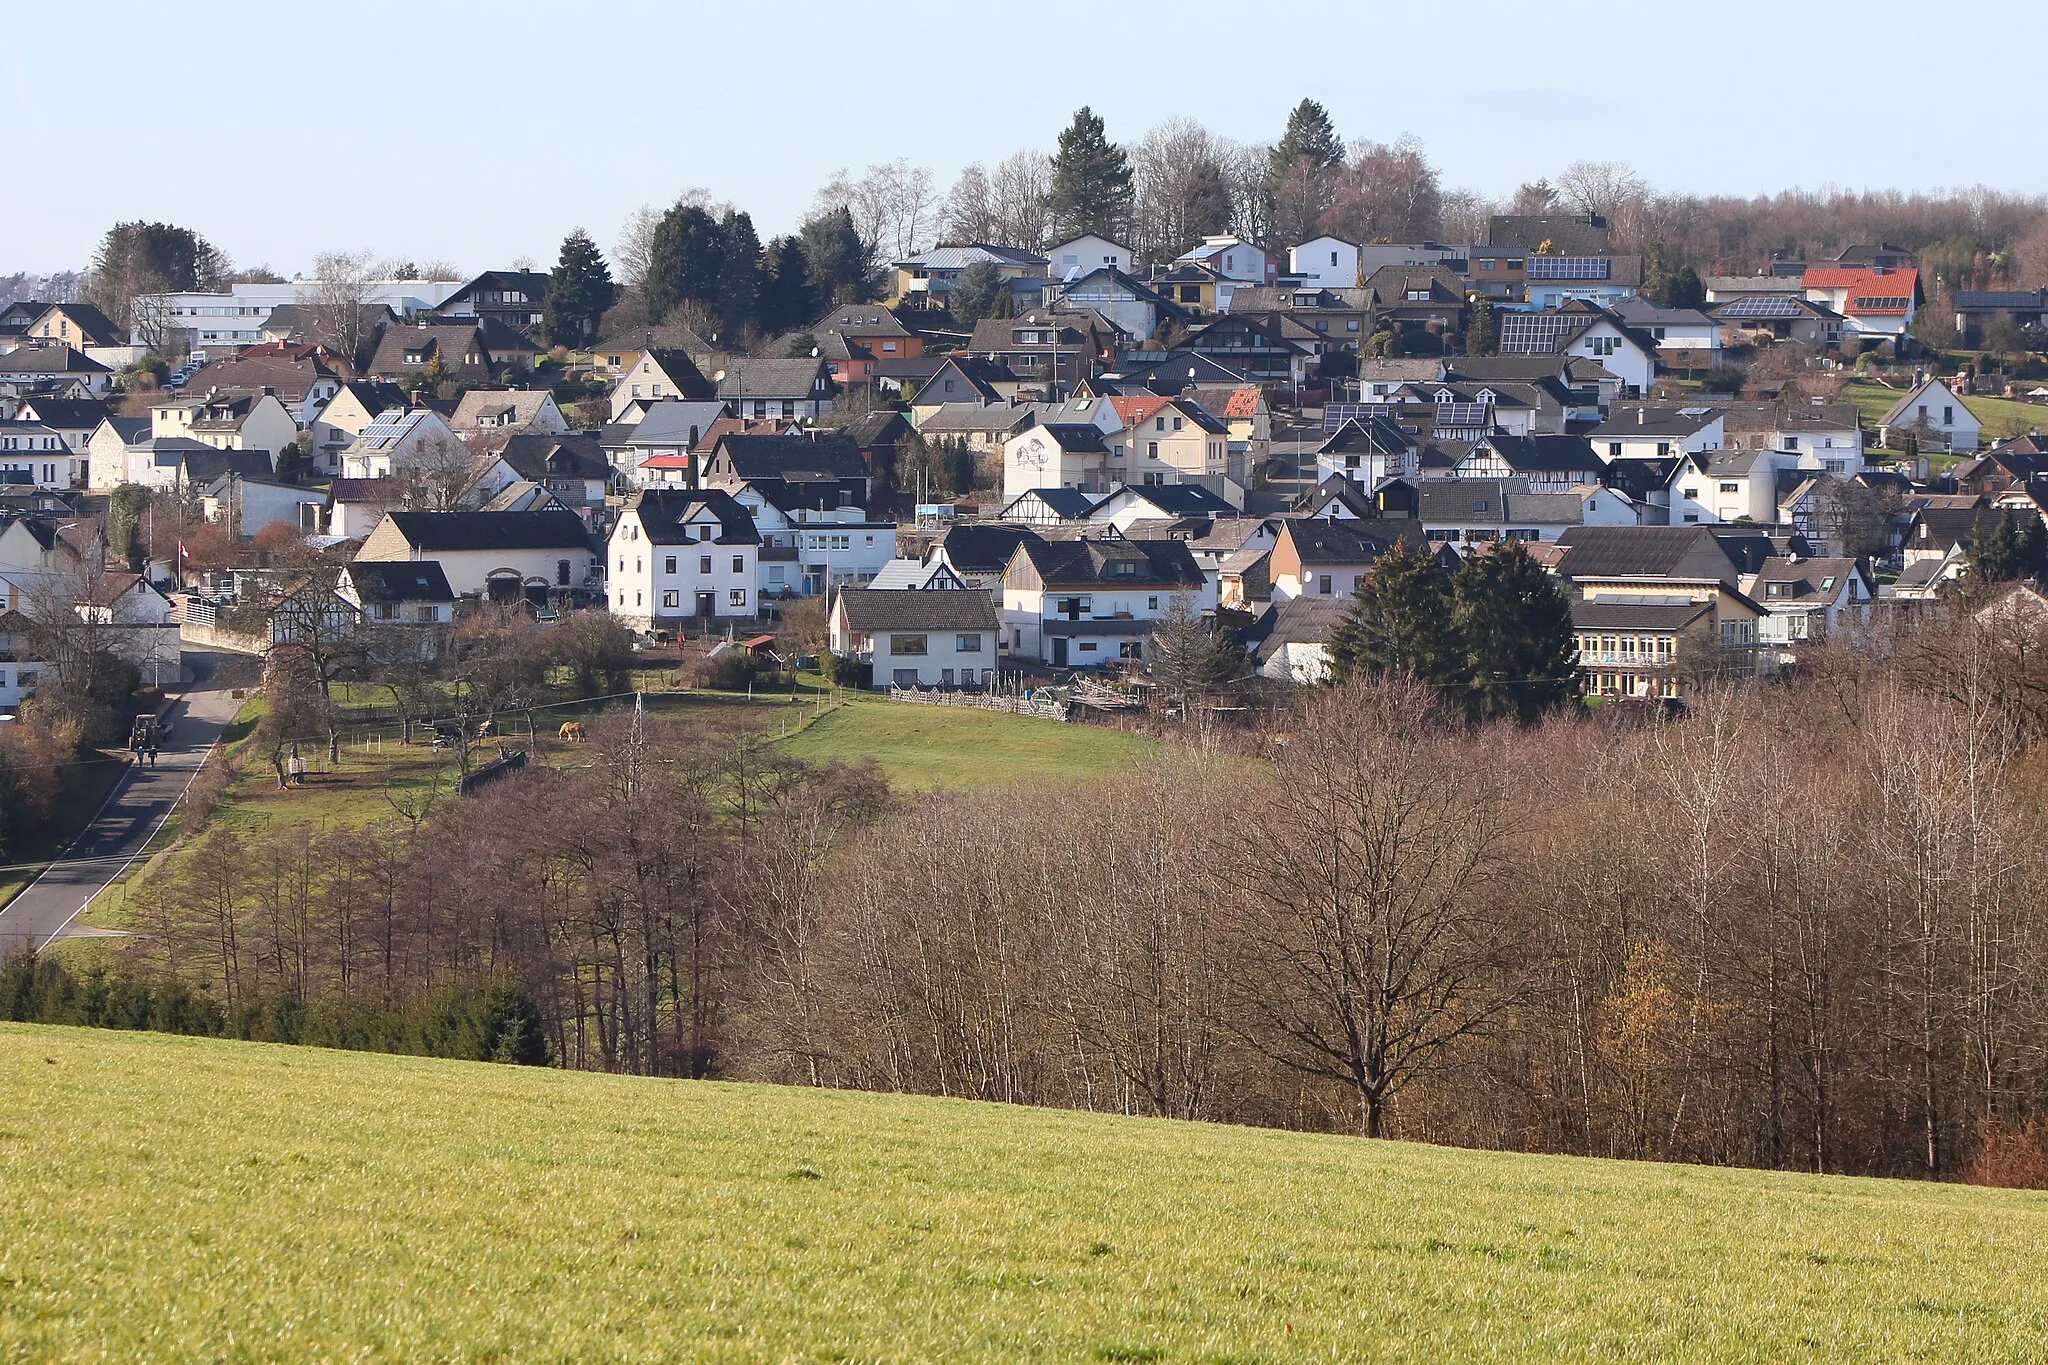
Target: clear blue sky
(481,133)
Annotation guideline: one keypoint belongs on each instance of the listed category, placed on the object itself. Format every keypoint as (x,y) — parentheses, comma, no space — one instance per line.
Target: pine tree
(1311,137)
(1998,553)
(685,262)
(580,289)
(1688,290)
(1091,180)
(786,295)
(1515,625)
(843,267)
(1656,277)
(973,296)
(1400,622)
(1482,332)
(739,301)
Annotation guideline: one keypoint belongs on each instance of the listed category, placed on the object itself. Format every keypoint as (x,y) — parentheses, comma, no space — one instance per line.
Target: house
(807,549)
(1613,557)
(1632,645)
(108,450)
(1588,388)
(1235,260)
(1826,438)
(1081,603)
(924,280)
(1942,532)
(1978,309)
(918,638)
(1072,259)
(1172,502)
(1419,298)
(1467,513)
(514,299)
(508,410)
(659,376)
(1882,254)
(74,324)
(1053,351)
(248,505)
(1343,316)
(407,605)
(1876,302)
(1367,451)
(1316,557)
(1048,506)
(1584,330)
(573,468)
(305,378)
(678,554)
(1249,346)
(52,366)
(1778,316)
(404,439)
(1550,463)
(305,324)
(978,552)
(1721,486)
(917,574)
(458,351)
(238,421)
(1325,263)
(503,556)
(351,408)
(1174,440)
(617,354)
(1582,234)
(35,452)
(983,427)
(1809,599)
(1688,341)
(1729,288)
(1930,415)
(1290,641)
(869,333)
(1059,455)
(1656,431)
(1129,304)
(775,388)
(670,433)
(823,467)
(1551,278)
(73,421)
(355,506)
(964,379)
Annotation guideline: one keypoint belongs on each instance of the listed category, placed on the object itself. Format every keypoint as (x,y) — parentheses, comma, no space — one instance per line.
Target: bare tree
(1020,200)
(1465,217)
(1182,190)
(1386,193)
(892,205)
(339,300)
(968,213)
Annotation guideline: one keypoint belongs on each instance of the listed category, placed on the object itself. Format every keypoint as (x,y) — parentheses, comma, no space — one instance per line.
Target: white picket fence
(1045,709)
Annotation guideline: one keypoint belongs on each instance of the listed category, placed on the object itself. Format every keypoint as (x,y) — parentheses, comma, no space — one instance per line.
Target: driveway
(48,908)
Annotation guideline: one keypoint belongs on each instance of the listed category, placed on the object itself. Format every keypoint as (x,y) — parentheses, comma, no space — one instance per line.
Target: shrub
(843,670)
(1722,379)
(729,671)
(2011,1155)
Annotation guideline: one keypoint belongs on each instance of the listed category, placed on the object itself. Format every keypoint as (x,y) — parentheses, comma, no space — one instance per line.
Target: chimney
(1642,416)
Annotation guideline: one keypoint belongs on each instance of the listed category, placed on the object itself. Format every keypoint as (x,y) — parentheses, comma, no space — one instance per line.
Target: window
(1152,450)
(1176,424)
(1152,604)
(387,611)
(907,646)
(967,644)
(562,572)
(739,563)
(703,563)
(1486,262)
(1731,488)
(1614,450)
(737,597)
(1323,585)
(1791,443)
(670,562)
(1663,449)
(1603,346)
(671,598)
(1689,492)
(1089,646)
(1514,262)
(967,677)
(1948,416)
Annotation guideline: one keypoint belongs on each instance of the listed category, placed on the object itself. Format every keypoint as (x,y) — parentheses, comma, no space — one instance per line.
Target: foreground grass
(182,1198)
(939,746)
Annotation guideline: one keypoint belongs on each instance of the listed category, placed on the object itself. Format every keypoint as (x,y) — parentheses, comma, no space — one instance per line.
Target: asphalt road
(48,908)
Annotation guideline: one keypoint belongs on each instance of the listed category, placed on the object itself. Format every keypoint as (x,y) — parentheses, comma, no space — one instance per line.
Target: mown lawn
(939,746)
(185,1199)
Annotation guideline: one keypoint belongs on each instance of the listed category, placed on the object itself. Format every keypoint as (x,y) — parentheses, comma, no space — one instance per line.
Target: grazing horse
(572,730)
(485,729)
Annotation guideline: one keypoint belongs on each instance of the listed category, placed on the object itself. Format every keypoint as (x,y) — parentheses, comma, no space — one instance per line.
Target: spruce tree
(1482,332)
(973,296)
(685,262)
(1400,623)
(1091,180)
(580,289)
(843,267)
(1515,625)
(1311,137)
(739,292)
(786,295)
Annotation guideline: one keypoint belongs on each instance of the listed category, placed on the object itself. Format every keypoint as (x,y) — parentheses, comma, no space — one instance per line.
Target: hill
(940,746)
(175,1198)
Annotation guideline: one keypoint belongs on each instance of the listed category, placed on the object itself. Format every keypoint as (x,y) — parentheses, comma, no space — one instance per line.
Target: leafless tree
(1182,191)
(892,205)
(1385,193)
(1020,200)
(342,283)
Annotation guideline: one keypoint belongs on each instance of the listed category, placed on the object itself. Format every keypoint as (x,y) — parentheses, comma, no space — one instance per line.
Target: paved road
(47,909)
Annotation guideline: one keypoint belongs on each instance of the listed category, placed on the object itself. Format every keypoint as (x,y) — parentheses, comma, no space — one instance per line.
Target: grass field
(937,746)
(1873,401)
(180,1199)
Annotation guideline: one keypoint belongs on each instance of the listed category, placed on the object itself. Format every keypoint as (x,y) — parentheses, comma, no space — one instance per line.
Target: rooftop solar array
(1568,268)
(1336,415)
(1767,306)
(1538,333)
(1461,414)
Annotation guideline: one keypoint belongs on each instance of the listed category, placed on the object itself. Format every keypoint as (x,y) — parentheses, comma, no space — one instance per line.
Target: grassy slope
(935,746)
(1875,400)
(177,1198)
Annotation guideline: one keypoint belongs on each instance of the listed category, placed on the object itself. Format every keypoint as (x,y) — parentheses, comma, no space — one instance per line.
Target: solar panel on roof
(1762,306)
(1460,414)
(1568,267)
(1537,333)
(1336,415)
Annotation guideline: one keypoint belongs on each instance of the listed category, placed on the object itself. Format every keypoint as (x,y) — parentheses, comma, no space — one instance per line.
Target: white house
(400,439)
(408,601)
(1325,262)
(1654,431)
(1932,413)
(1726,486)
(806,551)
(1087,253)
(523,410)
(249,504)
(1808,599)
(505,556)
(1366,451)
(918,637)
(1078,603)
(1060,455)
(679,553)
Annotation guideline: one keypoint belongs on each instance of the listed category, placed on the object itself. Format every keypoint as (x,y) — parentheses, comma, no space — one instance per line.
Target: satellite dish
(814,353)
(718,378)
(1072,272)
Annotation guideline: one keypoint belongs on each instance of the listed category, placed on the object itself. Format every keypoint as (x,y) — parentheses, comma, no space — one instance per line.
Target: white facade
(226,322)
(1081,627)
(1606,343)
(1071,260)
(920,658)
(652,582)
(1946,417)
(1325,262)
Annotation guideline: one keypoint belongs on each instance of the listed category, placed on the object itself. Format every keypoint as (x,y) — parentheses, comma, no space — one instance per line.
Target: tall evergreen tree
(739,300)
(686,261)
(1091,180)
(973,296)
(843,266)
(1310,137)
(1482,331)
(787,296)
(1515,626)
(1400,622)
(580,289)
(1688,290)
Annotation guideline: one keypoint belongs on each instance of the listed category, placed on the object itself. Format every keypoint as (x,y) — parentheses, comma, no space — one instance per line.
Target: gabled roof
(402,580)
(1672,614)
(447,532)
(959,257)
(1300,620)
(1638,421)
(532,283)
(1870,289)
(94,327)
(57,359)
(514,407)
(985,546)
(1111,563)
(747,377)
(1543,454)
(673,422)
(1370,435)
(667,336)
(861,320)
(1390,285)
(1076,438)
(1688,553)
(964,417)
(1320,541)
(829,455)
(1171,499)
(1569,234)
(385,492)
(664,511)
(1068,504)
(1899,411)
(1801,580)
(541,457)
(204,465)
(873,609)
(73,414)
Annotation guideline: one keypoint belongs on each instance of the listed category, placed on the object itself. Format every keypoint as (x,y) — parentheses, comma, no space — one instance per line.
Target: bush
(730,671)
(1723,379)
(843,670)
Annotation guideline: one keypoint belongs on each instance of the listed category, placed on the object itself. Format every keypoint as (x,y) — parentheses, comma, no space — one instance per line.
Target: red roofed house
(1876,301)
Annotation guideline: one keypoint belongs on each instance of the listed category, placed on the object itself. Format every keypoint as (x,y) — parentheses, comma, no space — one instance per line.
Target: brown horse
(572,731)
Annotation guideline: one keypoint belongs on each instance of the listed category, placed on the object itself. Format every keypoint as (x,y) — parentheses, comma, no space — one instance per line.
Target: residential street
(48,909)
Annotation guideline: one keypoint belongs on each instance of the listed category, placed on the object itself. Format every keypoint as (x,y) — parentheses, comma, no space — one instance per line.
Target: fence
(1045,709)
(491,772)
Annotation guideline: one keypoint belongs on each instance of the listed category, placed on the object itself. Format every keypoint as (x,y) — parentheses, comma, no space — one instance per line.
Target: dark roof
(884,428)
(532,283)
(1296,621)
(664,510)
(1486,367)
(131,429)
(985,546)
(1069,504)
(1320,541)
(302,321)
(1803,577)
(830,455)
(1556,454)
(389,490)
(1372,434)
(1637,420)
(538,457)
(1178,499)
(1112,563)
(1946,527)
(792,379)
(95,328)
(679,367)
(1080,437)
(451,531)
(402,580)
(1648,613)
(74,413)
(57,359)
(1991,300)
(872,609)
(1569,234)
(454,342)
(1681,552)
(205,465)
(376,395)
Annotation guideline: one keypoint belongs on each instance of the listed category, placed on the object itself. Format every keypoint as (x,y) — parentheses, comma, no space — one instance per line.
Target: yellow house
(76,324)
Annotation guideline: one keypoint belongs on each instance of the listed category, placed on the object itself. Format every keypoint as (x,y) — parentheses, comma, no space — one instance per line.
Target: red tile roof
(1135,408)
(1865,282)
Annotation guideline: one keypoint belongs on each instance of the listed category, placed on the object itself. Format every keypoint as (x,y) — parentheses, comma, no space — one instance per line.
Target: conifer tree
(580,289)
(1091,180)
(1514,624)
(787,297)
(739,298)
(1400,622)
(1482,332)
(1310,137)
(685,262)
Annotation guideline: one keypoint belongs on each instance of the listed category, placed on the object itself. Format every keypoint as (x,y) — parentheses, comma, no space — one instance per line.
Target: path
(49,907)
